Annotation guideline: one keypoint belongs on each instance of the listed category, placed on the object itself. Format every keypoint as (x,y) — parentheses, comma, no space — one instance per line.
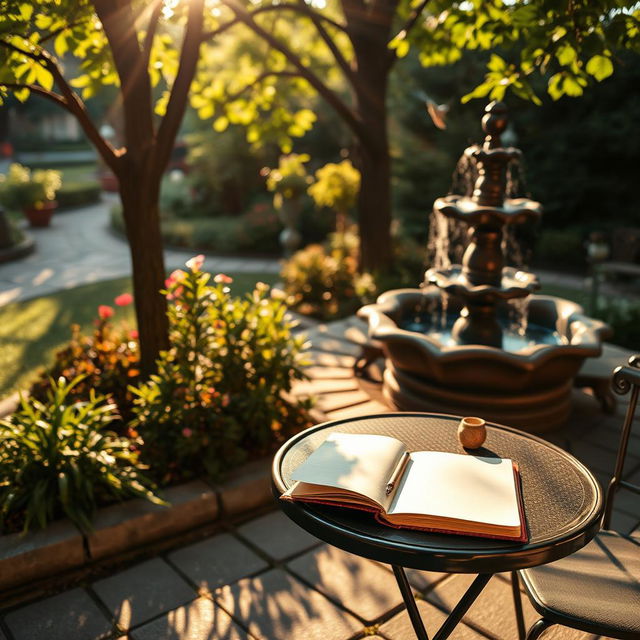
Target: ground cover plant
(58,457)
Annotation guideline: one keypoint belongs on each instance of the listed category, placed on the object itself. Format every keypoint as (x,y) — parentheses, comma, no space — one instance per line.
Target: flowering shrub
(324,281)
(218,392)
(107,360)
(56,457)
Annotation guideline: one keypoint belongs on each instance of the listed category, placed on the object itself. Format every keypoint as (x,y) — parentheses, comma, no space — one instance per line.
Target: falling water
(519,315)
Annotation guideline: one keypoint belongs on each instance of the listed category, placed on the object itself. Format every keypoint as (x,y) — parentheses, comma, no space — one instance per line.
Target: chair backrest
(625,379)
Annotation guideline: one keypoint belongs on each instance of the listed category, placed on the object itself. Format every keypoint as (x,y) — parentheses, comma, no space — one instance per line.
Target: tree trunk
(374,203)
(142,222)
(374,199)
(373,61)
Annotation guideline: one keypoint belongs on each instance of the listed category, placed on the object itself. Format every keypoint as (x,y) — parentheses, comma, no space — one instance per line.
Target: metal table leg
(454,617)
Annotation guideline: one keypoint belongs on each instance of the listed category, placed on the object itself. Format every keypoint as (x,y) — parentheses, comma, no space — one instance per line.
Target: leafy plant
(22,189)
(324,281)
(56,457)
(107,360)
(219,391)
(336,187)
(289,179)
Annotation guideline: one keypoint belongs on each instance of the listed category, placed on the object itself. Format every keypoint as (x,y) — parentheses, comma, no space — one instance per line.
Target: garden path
(266,579)
(79,248)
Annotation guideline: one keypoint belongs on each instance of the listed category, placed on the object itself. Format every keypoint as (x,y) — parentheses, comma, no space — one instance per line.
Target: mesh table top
(562,500)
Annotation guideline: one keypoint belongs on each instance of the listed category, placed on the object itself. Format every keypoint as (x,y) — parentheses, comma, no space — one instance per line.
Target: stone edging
(61,547)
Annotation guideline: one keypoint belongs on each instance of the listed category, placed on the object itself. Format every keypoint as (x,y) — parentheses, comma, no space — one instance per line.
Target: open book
(428,490)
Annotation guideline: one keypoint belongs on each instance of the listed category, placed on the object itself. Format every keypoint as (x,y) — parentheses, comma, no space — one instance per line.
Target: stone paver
(217,561)
(492,612)
(277,536)
(275,605)
(357,584)
(201,619)
(72,614)
(143,592)
(399,627)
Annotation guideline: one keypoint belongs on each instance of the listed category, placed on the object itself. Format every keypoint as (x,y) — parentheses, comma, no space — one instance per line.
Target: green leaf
(571,86)
(481,91)
(221,123)
(22,94)
(496,63)
(60,44)
(600,67)
(26,11)
(566,54)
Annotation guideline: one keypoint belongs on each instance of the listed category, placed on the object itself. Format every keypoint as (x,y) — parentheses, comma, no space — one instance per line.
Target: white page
(458,486)
(357,462)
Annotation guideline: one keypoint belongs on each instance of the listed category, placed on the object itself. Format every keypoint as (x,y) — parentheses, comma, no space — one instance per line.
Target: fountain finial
(492,158)
(494,122)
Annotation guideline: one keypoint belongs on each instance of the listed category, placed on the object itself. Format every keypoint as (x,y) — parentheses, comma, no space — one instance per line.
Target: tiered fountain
(452,346)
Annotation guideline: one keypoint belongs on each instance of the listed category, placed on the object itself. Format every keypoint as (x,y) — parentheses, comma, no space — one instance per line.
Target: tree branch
(343,110)
(41,91)
(283,6)
(152,27)
(118,22)
(180,90)
(260,78)
(412,19)
(72,102)
(331,45)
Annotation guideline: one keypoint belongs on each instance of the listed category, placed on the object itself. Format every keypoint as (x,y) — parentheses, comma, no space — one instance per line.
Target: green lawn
(80,173)
(32,331)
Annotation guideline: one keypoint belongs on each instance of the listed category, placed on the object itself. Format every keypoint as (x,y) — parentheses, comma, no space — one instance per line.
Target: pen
(399,470)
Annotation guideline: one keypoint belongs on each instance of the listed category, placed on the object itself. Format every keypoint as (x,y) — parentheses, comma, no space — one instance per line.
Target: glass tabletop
(562,500)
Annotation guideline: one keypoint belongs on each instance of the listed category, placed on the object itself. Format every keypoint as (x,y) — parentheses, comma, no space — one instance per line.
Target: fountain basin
(465,209)
(529,388)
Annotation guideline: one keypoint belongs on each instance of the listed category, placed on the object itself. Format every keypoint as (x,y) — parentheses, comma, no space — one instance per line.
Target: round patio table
(562,504)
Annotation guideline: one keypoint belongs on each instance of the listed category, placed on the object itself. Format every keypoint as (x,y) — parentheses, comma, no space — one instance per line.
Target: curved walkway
(78,248)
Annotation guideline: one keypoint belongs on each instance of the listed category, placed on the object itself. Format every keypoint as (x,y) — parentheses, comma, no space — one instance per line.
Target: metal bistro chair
(597,589)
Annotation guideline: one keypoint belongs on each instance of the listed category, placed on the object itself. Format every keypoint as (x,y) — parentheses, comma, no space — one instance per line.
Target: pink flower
(105,311)
(195,263)
(186,432)
(123,299)
(176,276)
(225,400)
(221,277)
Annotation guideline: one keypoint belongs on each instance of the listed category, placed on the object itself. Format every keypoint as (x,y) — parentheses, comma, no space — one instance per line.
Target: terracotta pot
(41,217)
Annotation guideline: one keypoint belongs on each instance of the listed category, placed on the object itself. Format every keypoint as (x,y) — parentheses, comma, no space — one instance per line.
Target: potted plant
(288,182)
(33,193)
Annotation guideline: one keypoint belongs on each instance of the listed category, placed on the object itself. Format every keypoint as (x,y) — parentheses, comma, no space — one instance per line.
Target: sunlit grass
(32,331)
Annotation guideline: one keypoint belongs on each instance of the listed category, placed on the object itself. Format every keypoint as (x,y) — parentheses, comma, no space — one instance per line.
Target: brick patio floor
(267,579)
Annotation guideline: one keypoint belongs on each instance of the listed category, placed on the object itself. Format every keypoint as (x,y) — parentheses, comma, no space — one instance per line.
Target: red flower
(105,311)
(221,277)
(123,299)
(134,334)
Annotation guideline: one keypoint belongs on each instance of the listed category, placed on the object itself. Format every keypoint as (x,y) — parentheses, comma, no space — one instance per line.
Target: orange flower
(222,278)
(123,299)
(105,311)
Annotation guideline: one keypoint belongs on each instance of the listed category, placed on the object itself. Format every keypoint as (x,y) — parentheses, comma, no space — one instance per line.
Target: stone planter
(41,217)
